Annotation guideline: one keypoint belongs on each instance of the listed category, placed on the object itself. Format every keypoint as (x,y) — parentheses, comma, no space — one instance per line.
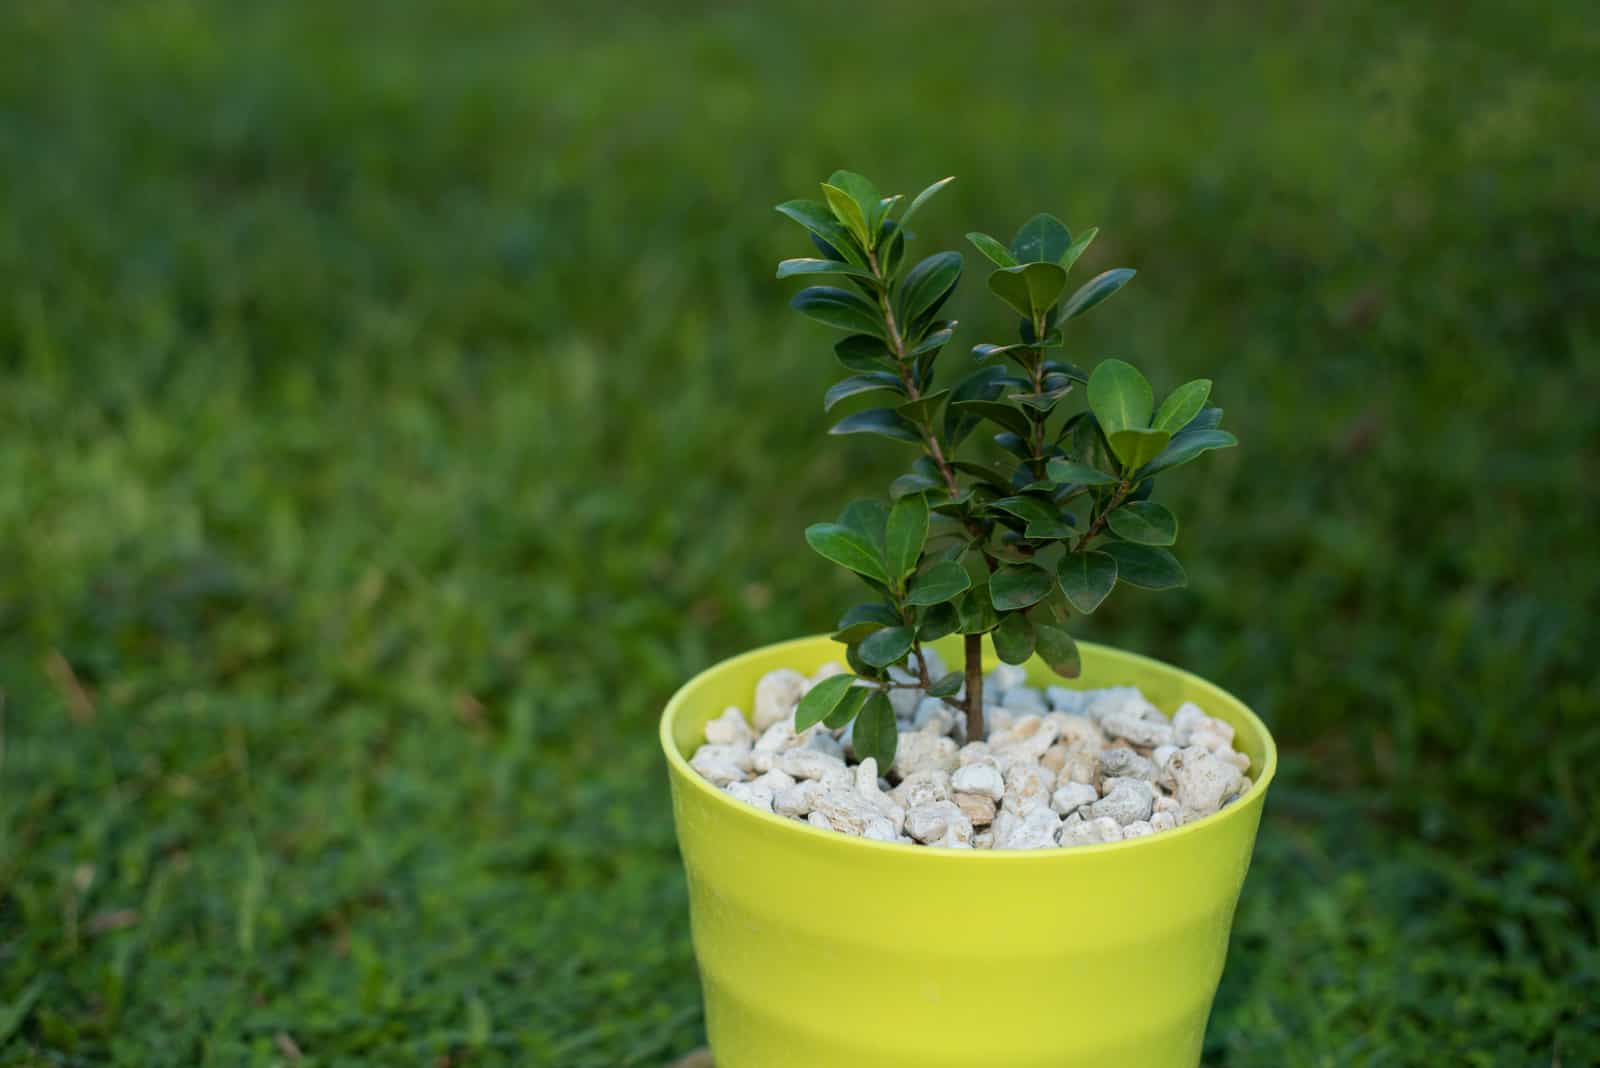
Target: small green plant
(1009,547)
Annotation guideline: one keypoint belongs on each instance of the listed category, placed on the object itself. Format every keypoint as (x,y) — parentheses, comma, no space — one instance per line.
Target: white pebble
(1003,678)
(730,728)
(808,763)
(777,694)
(941,823)
(1025,701)
(1067,767)
(1126,801)
(1201,779)
(1136,729)
(1035,829)
(755,794)
(1072,796)
(722,764)
(926,750)
(1028,787)
(982,779)
(1119,762)
(1063,699)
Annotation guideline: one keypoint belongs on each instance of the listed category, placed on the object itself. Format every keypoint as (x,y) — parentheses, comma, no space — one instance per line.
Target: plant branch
(1123,489)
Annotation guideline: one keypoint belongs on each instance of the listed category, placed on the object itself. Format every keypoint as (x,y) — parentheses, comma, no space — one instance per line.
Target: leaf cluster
(1009,549)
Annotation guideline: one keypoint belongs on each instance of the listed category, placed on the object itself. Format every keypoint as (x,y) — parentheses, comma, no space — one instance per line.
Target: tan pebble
(1028,786)
(978,808)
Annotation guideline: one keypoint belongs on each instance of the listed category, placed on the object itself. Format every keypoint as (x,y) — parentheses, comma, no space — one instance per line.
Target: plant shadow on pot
(820,949)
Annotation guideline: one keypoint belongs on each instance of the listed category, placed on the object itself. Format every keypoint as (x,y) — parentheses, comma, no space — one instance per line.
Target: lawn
(396,404)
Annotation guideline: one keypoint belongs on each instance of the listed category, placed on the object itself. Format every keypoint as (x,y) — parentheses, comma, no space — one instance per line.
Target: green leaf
(1071,372)
(1018,586)
(1042,520)
(1086,578)
(1120,397)
(985,352)
(947,685)
(1045,402)
(1094,291)
(788,268)
(935,340)
(891,248)
(815,217)
(936,621)
(1146,567)
(888,646)
(1182,405)
(1014,638)
(1136,447)
(849,213)
(1145,523)
(1069,257)
(1185,446)
(912,482)
(839,308)
(885,422)
(928,283)
(860,620)
(846,709)
(1057,648)
(1031,288)
(1042,239)
(858,384)
(976,611)
(944,581)
(847,548)
(866,196)
(1079,474)
(923,197)
(985,474)
(993,249)
(820,701)
(869,518)
(997,412)
(982,384)
(905,535)
(860,352)
(923,408)
(1087,444)
(852,656)
(876,734)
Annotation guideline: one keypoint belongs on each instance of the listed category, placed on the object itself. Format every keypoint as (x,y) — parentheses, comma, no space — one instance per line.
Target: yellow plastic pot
(819,950)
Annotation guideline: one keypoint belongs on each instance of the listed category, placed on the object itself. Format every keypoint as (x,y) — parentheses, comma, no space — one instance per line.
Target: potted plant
(891,863)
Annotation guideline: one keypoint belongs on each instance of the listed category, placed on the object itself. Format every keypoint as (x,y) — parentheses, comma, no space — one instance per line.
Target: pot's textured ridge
(818,950)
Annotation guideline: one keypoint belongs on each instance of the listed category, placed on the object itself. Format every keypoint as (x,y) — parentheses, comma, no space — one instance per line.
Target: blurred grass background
(396,405)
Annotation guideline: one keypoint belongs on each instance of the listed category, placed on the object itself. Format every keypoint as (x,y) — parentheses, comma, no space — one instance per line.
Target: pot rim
(679,765)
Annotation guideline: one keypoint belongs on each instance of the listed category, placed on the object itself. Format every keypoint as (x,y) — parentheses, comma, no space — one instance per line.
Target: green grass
(395,405)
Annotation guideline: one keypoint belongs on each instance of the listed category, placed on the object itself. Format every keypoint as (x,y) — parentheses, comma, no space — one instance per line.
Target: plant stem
(973,647)
(1123,489)
(897,345)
